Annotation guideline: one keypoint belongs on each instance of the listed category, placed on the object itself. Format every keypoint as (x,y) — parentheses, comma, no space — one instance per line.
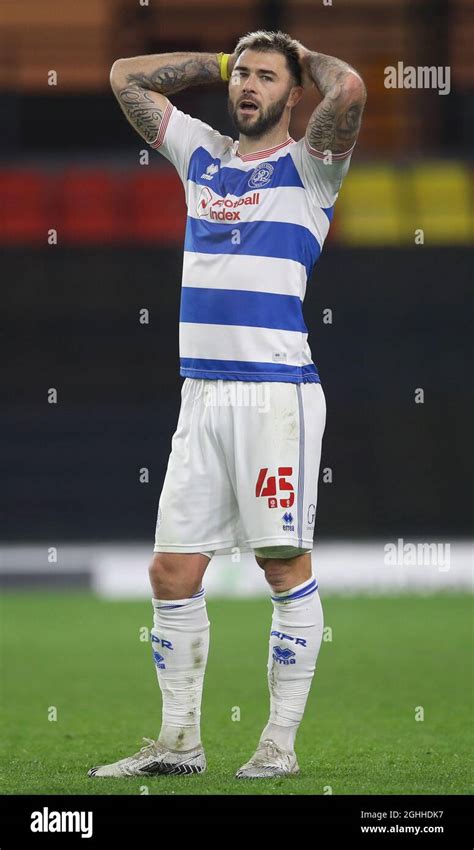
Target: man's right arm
(141,84)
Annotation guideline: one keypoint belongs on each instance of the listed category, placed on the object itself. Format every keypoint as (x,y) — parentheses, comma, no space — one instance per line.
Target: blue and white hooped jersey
(255,227)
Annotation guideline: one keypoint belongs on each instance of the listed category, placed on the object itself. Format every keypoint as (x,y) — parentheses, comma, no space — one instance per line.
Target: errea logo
(284,656)
(46,821)
(210,171)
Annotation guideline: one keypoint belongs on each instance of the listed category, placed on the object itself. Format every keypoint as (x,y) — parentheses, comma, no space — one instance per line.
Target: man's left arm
(335,123)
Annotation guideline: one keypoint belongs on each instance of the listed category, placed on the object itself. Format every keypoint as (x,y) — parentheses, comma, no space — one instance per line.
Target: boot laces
(269,749)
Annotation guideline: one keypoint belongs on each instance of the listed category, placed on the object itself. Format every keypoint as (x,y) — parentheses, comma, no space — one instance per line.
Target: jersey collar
(260,154)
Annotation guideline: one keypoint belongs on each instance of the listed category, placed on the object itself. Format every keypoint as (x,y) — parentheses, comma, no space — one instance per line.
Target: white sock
(180,644)
(295,639)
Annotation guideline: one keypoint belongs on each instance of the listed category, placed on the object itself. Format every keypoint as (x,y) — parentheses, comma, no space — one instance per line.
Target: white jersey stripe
(263,344)
(255,274)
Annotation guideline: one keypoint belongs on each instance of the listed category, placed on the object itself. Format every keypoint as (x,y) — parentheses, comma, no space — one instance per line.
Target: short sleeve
(321,177)
(179,136)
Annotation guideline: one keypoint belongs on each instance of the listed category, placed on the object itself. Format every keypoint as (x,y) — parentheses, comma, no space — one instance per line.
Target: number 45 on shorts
(267,487)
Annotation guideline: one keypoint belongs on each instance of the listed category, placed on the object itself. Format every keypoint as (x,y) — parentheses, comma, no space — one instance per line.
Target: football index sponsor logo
(52,821)
(205,198)
(223,209)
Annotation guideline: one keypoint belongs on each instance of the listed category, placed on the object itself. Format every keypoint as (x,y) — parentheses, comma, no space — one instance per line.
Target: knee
(159,573)
(278,573)
(272,567)
(177,576)
(285,572)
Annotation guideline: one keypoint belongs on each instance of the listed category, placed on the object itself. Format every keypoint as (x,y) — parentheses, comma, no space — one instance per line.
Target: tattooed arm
(335,123)
(141,84)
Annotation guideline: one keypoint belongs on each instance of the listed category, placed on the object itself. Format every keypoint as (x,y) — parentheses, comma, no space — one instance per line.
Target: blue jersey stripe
(235,181)
(244,370)
(241,307)
(256,238)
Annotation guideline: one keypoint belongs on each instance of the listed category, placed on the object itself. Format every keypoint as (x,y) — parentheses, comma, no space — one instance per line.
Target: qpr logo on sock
(298,641)
(261,175)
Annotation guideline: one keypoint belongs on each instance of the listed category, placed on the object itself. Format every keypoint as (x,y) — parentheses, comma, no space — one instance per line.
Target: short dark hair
(265,41)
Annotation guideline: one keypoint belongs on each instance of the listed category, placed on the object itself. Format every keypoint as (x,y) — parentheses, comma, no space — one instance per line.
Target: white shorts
(243,469)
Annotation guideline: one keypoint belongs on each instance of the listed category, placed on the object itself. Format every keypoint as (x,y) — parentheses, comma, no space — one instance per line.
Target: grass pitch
(390,659)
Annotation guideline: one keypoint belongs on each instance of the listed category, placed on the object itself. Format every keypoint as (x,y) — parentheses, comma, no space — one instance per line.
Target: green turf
(359,735)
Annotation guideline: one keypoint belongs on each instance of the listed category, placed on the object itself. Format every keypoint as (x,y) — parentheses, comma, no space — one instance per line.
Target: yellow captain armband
(223,60)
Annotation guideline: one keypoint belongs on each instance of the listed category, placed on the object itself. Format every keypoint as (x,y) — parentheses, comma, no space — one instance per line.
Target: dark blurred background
(401,311)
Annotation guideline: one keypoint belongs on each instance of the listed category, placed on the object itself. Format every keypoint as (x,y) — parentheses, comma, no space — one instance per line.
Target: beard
(255,127)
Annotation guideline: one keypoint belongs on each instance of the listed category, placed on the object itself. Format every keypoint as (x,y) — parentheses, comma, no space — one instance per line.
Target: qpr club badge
(261,175)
